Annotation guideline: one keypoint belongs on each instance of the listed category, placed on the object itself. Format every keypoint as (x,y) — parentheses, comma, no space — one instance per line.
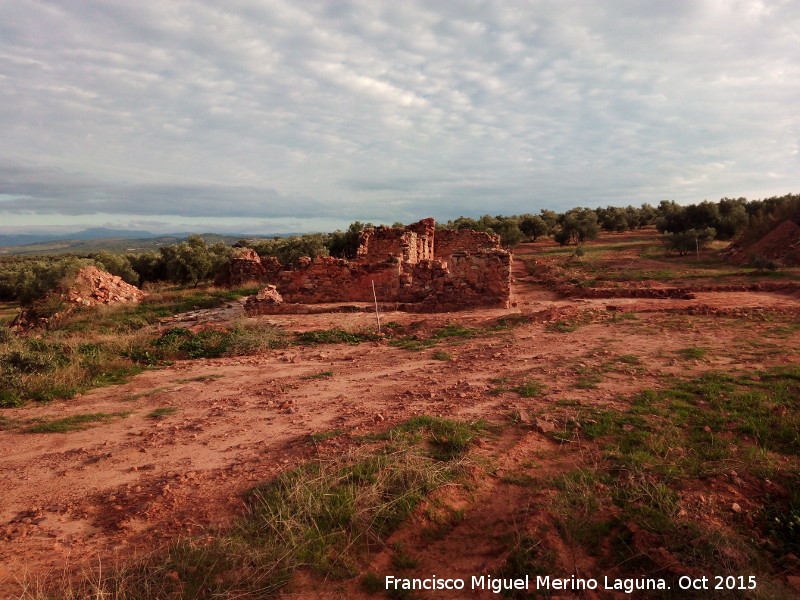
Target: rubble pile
(92,286)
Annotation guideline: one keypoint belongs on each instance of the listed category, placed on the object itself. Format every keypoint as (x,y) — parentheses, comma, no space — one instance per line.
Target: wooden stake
(377,314)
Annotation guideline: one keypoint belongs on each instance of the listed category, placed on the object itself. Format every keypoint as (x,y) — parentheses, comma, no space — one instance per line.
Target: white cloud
(385,111)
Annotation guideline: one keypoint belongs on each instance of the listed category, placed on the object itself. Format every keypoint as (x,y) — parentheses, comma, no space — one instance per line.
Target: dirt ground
(135,482)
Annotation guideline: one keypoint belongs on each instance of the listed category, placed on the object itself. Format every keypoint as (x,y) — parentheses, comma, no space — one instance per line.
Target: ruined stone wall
(416,267)
(450,241)
(467,279)
(245,265)
(422,245)
(410,244)
(328,279)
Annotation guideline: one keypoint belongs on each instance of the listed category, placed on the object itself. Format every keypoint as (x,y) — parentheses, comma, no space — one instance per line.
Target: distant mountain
(112,240)
(87,234)
(96,233)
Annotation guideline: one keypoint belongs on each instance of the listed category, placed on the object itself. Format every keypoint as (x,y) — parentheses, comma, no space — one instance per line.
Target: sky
(272,116)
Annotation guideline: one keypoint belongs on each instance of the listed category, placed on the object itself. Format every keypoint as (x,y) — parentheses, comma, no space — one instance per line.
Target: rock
(543,426)
(794,581)
(736,508)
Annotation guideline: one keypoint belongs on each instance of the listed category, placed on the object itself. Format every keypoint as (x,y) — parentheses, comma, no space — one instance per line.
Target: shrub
(762,263)
(689,241)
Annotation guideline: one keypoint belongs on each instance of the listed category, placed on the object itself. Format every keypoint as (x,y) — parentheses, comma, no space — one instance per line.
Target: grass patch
(74,422)
(318,438)
(447,439)
(202,378)
(529,388)
(164,411)
(334,336)
(441,355)
(324,517)
(692,353)
(320,375)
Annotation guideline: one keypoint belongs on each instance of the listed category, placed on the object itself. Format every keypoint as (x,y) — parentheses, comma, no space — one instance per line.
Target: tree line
(193,261)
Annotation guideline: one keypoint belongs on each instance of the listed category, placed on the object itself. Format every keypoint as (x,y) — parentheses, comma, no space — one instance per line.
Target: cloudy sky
(273,115)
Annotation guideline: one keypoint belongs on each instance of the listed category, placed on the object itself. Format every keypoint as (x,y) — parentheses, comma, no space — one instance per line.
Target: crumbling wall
(406,265)
(424,240)
(329,279)
(244,266)
(410,244)
(467,279)
(450,241)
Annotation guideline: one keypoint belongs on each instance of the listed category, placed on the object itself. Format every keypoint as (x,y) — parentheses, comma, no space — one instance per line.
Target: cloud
(368,110)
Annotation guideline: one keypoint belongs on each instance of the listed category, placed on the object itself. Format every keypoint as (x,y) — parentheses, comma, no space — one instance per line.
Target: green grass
(441,355)
(646,452)
(323,517)
(74,422)
(447,439)
(61,363)
(454,333)
(164,411)
(320,375)
(529,388)
(692,353)
(588,382)
(334,336)
(318,438)
(202,378)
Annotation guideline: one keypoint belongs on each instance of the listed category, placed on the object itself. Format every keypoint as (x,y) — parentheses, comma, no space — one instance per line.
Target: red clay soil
(781,244)
(136,481)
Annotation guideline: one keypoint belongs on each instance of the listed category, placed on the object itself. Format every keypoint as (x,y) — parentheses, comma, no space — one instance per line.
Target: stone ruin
(414,268)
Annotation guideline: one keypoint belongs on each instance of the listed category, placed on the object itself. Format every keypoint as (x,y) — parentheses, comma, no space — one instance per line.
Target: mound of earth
(782,245)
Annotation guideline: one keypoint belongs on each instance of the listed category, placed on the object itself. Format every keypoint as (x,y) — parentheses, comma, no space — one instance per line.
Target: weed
(322,516)
(318,438)
(401,560)
(529,389)
(692,352)
(74,422)
(562,326)
(441,355)
(448,439)
(164,411)
(629,359)
(202,378)
(334,336)
(589,382)
(525,556)
(372,583)
(320,375)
